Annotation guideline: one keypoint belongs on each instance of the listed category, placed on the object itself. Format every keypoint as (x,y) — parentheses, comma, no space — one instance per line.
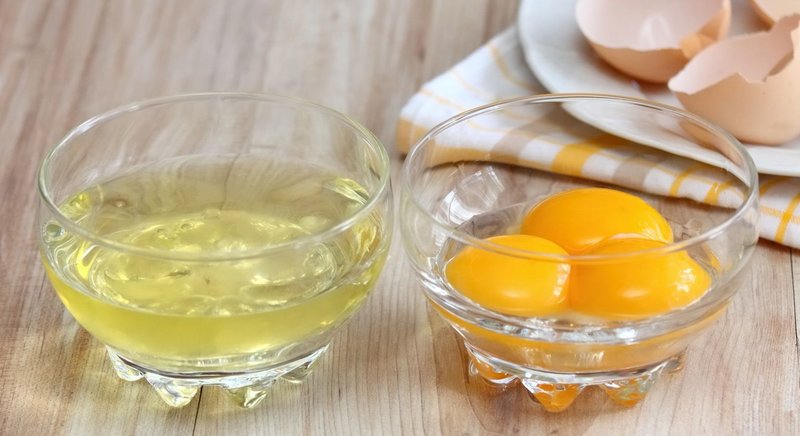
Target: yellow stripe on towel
(571,159)
(504,70)
(786,218)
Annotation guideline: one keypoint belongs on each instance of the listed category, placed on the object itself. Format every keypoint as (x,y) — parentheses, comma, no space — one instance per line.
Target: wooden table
(396,368)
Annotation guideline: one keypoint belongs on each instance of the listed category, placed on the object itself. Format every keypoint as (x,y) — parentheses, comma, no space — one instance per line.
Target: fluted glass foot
(626,388)
(246,389)
(175,392)
(552,397)
(249,396)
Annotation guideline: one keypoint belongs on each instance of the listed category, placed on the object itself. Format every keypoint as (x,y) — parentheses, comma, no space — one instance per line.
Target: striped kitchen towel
(498,70)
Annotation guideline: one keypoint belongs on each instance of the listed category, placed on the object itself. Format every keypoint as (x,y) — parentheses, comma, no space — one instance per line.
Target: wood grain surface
(396,368)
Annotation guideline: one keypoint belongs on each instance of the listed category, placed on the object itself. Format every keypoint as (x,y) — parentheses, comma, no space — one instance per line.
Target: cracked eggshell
(773,10)
(749,85)
(652,40)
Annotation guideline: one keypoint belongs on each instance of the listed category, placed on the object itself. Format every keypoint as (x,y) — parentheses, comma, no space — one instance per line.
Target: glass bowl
(477,174)
(215,239)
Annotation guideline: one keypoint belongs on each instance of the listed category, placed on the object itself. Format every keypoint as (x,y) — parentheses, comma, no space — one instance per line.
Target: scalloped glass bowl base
(626,388)
(246,389)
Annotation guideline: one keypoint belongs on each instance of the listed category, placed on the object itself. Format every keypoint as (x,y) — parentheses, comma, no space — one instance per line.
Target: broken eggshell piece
(773,10)
(652,40)
(749,85)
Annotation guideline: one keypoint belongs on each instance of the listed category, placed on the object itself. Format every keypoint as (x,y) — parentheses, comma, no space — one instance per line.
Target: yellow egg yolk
(637,286)
(508,284)
(578,219)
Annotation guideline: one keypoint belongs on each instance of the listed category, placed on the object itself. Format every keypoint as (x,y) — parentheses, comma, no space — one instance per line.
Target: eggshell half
(773,10)
(652,40)
(749,85)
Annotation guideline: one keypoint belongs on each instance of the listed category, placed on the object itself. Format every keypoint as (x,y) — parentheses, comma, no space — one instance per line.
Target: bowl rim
(751,178)
(372,142)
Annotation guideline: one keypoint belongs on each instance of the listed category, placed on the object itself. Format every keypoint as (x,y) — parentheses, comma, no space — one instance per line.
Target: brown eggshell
(749,85)
(773,10)
(652,40)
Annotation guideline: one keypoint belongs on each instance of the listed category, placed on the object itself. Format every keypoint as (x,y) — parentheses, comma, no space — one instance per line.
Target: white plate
(563,62)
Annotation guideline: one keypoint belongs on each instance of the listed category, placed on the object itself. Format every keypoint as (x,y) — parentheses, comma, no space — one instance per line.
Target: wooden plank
(60,68)
(363,377)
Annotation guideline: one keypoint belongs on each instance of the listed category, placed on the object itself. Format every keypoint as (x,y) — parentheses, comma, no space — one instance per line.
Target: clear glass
(215,239)
(478,174)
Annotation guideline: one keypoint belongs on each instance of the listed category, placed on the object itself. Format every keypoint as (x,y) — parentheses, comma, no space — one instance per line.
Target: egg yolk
(578,219)
(636,287)
(511,285)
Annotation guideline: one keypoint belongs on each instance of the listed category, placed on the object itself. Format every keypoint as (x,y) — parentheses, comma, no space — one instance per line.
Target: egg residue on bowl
(652,40)
(749,84)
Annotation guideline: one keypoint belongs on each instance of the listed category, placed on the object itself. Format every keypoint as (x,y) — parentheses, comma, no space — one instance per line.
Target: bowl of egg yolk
(567,256)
